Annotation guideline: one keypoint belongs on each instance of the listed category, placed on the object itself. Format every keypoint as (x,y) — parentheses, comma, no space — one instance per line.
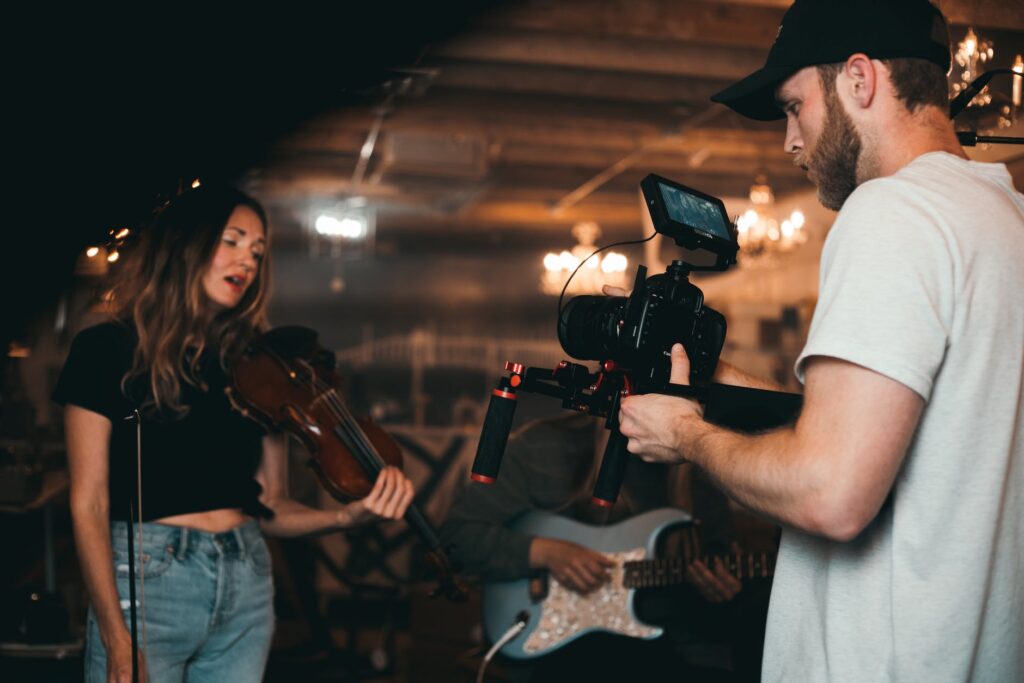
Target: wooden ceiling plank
(681,20)
(575,82)
(609,53)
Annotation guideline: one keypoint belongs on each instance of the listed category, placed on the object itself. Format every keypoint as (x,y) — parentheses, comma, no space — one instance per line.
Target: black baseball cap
(829,31)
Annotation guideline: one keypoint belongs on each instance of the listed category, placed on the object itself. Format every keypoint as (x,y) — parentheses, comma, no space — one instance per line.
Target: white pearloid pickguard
(566,613)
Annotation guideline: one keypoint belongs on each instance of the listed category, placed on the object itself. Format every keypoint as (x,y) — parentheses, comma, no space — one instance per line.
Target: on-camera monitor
(695,212)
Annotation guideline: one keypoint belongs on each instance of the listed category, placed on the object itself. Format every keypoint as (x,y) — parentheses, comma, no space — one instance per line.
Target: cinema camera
(632,336)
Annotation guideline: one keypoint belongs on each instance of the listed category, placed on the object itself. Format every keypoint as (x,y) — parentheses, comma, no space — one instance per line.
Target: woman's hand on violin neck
(389,499)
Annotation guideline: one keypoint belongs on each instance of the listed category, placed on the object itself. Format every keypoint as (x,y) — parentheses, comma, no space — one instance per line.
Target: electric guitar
(559,615)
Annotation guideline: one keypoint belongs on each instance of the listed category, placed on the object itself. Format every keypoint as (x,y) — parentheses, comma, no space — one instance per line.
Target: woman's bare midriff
(213,521)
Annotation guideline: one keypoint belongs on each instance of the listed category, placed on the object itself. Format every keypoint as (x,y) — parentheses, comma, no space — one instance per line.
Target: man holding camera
(901,484)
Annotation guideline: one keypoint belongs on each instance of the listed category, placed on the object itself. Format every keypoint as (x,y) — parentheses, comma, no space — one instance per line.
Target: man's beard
(834,158)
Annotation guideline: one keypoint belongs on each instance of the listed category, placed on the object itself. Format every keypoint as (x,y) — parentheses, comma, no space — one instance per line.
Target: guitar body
(563,615)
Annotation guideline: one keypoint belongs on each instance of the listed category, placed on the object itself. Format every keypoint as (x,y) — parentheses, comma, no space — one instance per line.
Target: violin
(285,380)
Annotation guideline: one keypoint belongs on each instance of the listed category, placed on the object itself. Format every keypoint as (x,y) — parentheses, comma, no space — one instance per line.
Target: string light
(92,251)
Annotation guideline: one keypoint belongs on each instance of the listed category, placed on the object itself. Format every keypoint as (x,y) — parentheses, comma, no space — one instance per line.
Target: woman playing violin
(151,435)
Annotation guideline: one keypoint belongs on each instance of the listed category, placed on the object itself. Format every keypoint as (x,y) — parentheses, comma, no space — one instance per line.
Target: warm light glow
(16,350)
(760,234)
(972,54)
(597,270)
(113,256)
(970,43)
(328,225)
(1018,66)
(347,227)
(614,262)
(195,183)
(352,228)
(121,234)
(92,251)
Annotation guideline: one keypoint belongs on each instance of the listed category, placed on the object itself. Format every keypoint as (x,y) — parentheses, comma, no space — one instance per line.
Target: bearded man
(900,486)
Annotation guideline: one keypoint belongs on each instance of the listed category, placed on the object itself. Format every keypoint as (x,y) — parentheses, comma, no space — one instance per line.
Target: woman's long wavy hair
(160,293)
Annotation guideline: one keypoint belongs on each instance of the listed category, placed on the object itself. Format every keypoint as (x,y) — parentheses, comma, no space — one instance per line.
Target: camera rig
(631,338)
(598,393)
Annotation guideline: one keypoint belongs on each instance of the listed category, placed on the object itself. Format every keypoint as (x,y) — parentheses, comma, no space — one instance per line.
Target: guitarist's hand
(716,585)
(578,568)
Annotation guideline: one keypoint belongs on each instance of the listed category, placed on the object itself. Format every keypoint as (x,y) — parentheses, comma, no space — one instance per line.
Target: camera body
(637,332)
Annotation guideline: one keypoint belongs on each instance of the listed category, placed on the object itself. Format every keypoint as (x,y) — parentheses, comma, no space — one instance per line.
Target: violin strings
(358,440)
(360,445)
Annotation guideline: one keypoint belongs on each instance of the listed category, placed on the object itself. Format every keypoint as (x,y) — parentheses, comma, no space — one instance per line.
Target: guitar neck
(671,571)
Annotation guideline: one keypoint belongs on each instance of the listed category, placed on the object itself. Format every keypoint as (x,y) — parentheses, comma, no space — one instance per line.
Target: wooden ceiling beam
(997,14)
(507,117)
(508,139)
(696,152)
(576,82)
(712,23)
(609,53)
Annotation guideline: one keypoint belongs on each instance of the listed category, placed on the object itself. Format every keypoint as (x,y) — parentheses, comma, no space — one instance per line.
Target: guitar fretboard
(671,571)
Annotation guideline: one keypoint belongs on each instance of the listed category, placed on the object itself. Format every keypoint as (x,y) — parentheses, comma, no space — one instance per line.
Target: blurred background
(432,174)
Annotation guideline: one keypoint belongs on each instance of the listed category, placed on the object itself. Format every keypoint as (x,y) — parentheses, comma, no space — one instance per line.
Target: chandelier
(603,269)
(987,109)
(971,56)
(760,234)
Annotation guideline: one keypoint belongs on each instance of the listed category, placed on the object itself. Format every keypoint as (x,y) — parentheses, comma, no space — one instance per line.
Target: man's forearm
(772,474)
(727,373)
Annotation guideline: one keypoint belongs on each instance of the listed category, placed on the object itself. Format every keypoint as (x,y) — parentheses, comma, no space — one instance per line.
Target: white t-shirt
(922,280)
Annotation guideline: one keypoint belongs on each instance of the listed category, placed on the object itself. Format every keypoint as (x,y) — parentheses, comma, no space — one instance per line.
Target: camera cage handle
(598,394)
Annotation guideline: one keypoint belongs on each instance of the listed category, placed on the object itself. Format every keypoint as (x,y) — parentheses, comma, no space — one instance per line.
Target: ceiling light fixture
(762,237)
(606,269)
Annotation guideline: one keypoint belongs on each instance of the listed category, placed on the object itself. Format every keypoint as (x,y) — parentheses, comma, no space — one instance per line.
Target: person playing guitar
(550,465)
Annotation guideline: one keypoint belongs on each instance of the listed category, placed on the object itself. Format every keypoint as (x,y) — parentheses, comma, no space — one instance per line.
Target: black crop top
(205,460)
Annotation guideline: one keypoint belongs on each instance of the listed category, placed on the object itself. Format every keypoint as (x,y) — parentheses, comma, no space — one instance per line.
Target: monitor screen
(696,212)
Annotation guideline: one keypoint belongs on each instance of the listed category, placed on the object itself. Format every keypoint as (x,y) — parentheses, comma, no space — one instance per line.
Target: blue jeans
(209,604)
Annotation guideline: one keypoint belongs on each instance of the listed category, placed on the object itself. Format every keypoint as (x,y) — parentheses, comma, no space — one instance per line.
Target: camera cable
(592,255)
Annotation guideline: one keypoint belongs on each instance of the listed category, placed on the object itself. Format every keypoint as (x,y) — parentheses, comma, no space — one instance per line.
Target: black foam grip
(613,467)
(494,436)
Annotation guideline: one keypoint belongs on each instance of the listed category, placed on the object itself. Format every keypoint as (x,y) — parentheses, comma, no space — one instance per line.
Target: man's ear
(859,80)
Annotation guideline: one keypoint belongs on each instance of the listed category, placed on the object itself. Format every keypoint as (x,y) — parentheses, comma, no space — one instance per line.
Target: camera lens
(588,327)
